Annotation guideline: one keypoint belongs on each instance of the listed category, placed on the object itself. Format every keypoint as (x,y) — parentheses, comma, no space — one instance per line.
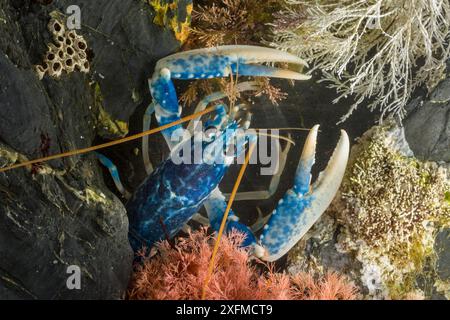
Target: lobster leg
(215,207)
(166,105)
(147,121)
(240,87)
(114,174)
(274,182)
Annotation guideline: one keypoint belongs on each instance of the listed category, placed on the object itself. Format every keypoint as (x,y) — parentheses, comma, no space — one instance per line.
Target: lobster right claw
(303,205)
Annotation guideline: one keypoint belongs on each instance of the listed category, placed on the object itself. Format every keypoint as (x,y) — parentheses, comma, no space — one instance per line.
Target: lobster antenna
(111,143)
(233,92)
(224,219)
(277,136)
(284,129)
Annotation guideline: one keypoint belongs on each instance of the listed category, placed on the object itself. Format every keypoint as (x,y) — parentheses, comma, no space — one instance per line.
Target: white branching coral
(379,51)
(390,206)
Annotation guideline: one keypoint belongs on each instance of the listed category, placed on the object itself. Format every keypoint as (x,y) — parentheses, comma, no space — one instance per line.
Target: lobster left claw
(303,205)
(210,63)
(222,61)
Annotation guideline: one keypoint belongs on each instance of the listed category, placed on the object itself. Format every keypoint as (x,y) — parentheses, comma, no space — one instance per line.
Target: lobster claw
(303,204)
(210,63)
(225,60)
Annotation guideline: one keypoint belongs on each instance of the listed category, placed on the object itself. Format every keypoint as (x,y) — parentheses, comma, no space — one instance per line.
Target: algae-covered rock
(392,206)
(383,223)
(60,214)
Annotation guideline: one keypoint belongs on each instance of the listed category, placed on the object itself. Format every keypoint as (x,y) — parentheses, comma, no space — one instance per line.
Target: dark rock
(442,245)
(427,126)
(61,213)
(126,45)
(443,262)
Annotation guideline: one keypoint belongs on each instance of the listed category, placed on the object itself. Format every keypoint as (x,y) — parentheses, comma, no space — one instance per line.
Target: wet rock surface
(427,126)
(61,213)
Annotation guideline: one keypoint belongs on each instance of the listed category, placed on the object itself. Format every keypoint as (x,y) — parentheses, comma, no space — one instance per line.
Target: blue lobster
(174,192)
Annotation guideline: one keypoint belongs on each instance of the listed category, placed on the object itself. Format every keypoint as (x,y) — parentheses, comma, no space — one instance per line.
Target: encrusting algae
(107,127)
(391,206)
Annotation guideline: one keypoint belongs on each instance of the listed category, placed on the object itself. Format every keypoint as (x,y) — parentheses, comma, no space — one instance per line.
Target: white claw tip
(165,73)
(259,251)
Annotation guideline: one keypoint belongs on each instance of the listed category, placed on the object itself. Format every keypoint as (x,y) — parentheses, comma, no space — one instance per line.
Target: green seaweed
(167,14)
(107,127)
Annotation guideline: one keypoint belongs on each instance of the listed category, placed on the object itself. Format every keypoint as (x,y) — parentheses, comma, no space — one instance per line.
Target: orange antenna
(225,217)
(277,137)
(111,143)
(285,129)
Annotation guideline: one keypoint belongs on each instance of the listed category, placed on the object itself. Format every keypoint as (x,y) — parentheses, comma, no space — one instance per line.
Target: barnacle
(391,206)
(66,54)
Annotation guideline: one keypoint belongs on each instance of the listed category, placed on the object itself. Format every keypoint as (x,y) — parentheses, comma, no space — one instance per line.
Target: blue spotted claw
(222,61)
(303,204)
(210,63)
